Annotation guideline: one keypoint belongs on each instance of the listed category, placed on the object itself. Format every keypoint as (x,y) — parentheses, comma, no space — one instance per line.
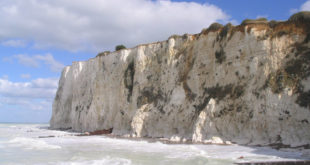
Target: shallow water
(20,144)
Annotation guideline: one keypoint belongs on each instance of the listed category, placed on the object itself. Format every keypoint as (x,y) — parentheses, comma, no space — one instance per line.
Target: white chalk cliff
(247,84)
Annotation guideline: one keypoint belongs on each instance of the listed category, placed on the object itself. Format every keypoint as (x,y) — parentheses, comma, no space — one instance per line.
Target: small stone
(175,139)
(217,140)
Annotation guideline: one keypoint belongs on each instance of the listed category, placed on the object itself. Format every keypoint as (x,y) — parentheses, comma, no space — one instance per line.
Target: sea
(35,144)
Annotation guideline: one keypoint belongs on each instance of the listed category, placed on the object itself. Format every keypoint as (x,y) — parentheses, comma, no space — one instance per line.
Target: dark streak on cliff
(129,78)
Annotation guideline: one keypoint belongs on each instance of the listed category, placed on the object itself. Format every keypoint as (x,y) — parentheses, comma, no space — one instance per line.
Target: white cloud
(14,43)
(27,103)
(305,6)
(36,94)
(25,76)
(48,59)
(38,88)
(36,60)
(5,77)
(101,24)
(293,11)
(50,83)
(261,16)
(27,60)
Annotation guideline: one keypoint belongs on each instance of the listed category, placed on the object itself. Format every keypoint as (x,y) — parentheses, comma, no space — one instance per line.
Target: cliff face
(247,84)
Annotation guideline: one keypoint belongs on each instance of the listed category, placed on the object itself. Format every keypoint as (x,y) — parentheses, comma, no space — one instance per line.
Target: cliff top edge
(298,23)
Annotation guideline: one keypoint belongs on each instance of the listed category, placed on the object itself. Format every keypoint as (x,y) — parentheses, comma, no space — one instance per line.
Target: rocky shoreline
(108,133)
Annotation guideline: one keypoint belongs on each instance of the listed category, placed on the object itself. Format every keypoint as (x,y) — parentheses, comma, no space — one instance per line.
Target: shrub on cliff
(301,16)
(225,31)
(215,27)
(120,47)
(253,21)
(273,23)
(103,53)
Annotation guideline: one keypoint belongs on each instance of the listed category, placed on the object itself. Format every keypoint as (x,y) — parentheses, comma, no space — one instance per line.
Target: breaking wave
(30,143)
(105,161)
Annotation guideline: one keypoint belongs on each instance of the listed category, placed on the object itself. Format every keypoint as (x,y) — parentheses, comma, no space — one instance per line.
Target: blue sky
(38,38)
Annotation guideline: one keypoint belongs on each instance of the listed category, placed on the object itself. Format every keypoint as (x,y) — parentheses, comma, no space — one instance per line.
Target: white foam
(105,161)
(77,150)
(30,143)
(181,151)
(234,152)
